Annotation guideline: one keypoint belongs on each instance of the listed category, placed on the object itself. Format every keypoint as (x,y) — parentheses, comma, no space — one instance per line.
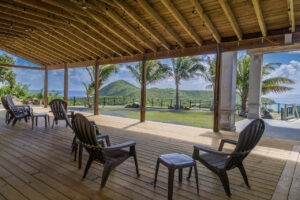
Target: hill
(125,89)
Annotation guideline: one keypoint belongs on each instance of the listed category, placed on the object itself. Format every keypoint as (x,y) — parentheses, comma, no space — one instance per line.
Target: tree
(184,68)
(105,72)
(269,84)
(155,71)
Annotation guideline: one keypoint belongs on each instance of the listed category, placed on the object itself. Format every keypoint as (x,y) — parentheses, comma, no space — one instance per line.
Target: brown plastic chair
(109,156)
(58,114)
(14,112)
(76,145)
(220,162)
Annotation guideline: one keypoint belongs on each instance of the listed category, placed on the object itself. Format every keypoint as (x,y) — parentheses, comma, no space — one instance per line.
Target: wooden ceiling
(77,32)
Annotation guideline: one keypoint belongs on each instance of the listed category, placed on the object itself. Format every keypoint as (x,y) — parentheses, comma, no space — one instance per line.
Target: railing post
(143,90)
(66,82)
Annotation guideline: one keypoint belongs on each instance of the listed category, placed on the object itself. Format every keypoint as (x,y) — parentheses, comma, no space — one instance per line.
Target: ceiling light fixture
(84,5)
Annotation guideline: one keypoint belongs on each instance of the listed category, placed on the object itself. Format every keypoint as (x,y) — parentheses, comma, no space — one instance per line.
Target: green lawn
(198,118)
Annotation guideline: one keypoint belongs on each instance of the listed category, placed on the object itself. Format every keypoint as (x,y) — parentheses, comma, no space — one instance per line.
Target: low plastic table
(36,116)
(175,161)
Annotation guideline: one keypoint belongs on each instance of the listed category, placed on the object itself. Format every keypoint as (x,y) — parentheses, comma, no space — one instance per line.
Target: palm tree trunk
(243,108)
(177,106)
(88,101)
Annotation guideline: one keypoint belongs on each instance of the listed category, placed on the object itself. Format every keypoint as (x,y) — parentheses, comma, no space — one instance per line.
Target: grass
(197,118)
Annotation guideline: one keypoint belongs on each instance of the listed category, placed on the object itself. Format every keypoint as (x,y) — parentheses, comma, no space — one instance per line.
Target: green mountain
(122,88)
(125,89)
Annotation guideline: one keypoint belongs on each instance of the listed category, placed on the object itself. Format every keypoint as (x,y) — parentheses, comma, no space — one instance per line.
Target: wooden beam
(126,8)
(96,96)
(21,66)
(231,18)
(246,44)
(180,19)
(46,88)
(291,12)
(66,74)
(260,18)
(124,24)
(206,20)
(143,90)
(216,127)
(145,5)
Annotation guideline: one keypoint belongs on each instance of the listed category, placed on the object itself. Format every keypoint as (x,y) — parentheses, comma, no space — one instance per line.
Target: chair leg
(11,118)
(14,122)
(180,175)
(243,172)
(156,172)
(36,121)
(32,122)
(170,183)
(80,156)
(196,177)
(106,171)
(190,173)
(224,179)
(87,167)
(53,123)
(136,164)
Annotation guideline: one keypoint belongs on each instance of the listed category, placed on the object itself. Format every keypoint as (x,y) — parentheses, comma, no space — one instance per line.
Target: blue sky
(290,68)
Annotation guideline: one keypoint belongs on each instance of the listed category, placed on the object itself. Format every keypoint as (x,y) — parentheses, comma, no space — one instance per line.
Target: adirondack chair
(14,112)
(56,109)
(220,162)
(76,144)
(110,156)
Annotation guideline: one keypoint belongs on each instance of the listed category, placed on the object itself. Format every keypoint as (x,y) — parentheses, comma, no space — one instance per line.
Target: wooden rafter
(141,22)
(20,66)
(291,12)
(180,19)
(126,26)
(231,18)
(145,5)
(260,18)
(207,21)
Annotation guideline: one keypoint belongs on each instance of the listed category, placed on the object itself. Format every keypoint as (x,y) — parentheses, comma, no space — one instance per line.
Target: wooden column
(66,83)
(46,88)
(96,96)
(216,127)
(143,90)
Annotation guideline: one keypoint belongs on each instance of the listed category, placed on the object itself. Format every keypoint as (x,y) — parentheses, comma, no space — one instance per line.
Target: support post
(46,88)
(96,96)
(255,85)
(228,91)
(143,90)
(216,127)
(66,83)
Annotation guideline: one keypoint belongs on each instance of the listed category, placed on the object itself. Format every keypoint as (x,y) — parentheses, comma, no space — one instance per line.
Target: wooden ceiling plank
(78,13)
(180,19)
(126,26)
(291,12)
(207,21)
(126,8)
(231,18)
(22,54)
(260,18)
(145,5)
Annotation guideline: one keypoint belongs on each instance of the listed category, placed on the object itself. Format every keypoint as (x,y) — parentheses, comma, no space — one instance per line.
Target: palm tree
(269,84)
(155,71)
(184,68)
(105,72)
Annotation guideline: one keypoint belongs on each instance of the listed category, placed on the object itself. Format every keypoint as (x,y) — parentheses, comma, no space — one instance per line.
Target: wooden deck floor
(37,164)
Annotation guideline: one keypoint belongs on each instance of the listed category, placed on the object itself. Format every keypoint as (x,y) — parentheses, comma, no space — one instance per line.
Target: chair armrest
(96,127)
(209,150)
(106,137)
(223,141)
(119,146)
